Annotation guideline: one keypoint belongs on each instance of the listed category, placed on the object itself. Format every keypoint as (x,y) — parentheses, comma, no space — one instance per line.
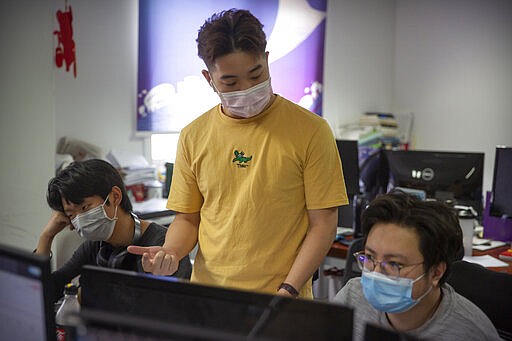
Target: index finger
(140,250)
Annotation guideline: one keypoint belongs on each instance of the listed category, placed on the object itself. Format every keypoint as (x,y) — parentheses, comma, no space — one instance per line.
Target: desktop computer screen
(501,199)
(456,176)
(236,313)
(26,312)
(349,154)
(94,325)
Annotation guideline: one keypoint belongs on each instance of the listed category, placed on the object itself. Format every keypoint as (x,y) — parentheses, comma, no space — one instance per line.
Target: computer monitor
(230,312)
(349,154)
(26,312)
(93,325)
(501,198)
(454,176)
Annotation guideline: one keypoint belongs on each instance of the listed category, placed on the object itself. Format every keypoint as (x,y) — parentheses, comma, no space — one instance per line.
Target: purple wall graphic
(171,90)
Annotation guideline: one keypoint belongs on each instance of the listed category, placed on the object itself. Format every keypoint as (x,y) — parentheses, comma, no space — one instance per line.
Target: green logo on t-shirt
(240,159)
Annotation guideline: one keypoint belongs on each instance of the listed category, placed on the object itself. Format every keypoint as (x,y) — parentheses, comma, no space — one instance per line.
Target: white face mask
(95,224)
(246,103)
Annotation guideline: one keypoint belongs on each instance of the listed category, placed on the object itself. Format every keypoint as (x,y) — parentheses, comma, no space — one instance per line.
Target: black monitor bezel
(348,151)
(497,181)
(88,322)
(43,263)
(385,170)
(351,147)
(93,276)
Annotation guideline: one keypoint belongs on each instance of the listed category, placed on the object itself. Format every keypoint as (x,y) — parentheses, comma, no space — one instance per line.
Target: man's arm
(180,239)
(58,221)
(320,236)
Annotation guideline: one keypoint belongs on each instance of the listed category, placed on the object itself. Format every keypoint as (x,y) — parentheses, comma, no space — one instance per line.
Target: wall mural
(171,90)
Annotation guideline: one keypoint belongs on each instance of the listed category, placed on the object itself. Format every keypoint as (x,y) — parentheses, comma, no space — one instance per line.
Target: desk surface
(339,250)
(495,253)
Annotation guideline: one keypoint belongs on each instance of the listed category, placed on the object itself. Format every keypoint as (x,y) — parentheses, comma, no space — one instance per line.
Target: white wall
(359,51)
(453,69)
(99,106)
(27,121)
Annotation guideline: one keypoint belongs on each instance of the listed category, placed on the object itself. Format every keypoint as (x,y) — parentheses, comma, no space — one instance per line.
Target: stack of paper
(486,260)
(134,167)
(139,176)
(385,122)
(486,244)
(123,159)
(385,128)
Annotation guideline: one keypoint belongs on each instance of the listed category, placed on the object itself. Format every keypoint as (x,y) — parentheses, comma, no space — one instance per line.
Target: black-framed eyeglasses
(368,263)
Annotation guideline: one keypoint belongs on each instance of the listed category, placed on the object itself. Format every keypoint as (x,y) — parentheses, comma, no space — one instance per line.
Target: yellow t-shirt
(253,181)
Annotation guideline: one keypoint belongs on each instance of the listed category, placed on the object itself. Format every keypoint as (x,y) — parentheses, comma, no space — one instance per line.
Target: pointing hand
(156,259)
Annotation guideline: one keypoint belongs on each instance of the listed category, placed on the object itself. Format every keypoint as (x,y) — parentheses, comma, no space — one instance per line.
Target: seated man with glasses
(409,248)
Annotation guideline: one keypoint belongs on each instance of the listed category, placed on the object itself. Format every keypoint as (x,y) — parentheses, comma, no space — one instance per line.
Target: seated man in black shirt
(90,197)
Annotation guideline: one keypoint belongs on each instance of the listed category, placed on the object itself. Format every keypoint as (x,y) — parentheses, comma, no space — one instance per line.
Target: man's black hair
(82,179)
(435,223)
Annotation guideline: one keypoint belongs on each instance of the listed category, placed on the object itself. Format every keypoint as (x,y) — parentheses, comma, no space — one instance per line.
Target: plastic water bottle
(70,305)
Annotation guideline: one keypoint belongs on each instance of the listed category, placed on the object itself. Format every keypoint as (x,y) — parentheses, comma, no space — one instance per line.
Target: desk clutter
(506,255)
(482,244)
(486,261)
(455,178)
(140,178)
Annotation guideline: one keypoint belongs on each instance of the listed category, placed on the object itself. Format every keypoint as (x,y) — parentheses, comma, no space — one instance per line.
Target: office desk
(495,252)
(339,250)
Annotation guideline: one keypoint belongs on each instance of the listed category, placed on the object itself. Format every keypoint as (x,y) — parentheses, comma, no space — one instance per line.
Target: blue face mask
(388,294)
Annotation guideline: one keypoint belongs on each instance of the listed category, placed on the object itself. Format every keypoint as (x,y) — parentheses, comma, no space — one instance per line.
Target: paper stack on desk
(486,260)
(506,255)
(135,168)
(126,160)
(486,244)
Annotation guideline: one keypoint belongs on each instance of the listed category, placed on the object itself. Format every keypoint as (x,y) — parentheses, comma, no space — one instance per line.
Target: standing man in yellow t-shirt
(257,179)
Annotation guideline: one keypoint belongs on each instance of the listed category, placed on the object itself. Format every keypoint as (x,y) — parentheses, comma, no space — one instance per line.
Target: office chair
(351,268)
(491,291)
(64,245)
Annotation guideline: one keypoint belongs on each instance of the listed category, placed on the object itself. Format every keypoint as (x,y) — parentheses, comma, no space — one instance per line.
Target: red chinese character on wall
(65,50)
